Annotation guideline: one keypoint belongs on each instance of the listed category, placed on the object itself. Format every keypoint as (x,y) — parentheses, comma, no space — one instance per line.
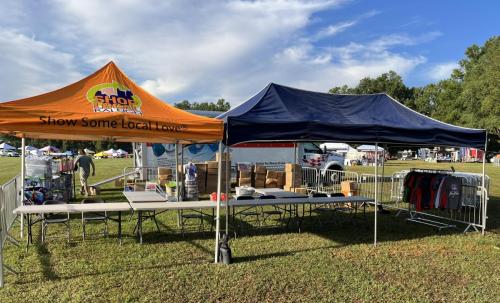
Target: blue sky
(204,50)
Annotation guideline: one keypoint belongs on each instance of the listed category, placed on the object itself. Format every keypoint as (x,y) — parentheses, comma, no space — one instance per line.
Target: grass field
(336,263)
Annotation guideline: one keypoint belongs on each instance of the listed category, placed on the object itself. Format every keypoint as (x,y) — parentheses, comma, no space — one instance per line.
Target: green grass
(413,263)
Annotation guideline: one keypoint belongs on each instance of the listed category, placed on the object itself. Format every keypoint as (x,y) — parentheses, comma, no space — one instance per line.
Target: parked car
(12,153)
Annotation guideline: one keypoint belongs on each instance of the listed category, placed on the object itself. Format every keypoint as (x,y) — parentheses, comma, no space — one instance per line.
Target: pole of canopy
(228,184)
(484,197)
(217,215)
(181,147)
(23,177)
(177,180)
(383,172)
(376,196)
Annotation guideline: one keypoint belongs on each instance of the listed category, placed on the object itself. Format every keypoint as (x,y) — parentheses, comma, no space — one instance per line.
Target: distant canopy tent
(280,113)
(28,148)
(50,149)
(6,146)
(106,105)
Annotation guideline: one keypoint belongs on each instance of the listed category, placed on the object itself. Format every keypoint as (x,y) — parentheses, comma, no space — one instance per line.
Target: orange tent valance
(106,105)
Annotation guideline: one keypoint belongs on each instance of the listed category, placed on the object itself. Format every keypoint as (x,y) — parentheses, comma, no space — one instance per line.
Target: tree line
(470,97)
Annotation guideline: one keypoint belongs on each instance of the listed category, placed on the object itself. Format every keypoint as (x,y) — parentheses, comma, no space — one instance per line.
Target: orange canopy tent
(106,105)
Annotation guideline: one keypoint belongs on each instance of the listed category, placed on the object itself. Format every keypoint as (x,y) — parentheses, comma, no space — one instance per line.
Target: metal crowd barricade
(310,177)
(9,200)
(329,180)
(471,212)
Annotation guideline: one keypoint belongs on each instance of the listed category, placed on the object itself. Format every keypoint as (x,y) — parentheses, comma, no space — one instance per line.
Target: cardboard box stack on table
(275,179)
(349,188)
(260,176)
(293,177)
(245,178)
(212,171)
(201,177)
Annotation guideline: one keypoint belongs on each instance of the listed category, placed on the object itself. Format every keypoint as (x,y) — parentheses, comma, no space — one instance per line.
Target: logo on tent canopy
(114,97)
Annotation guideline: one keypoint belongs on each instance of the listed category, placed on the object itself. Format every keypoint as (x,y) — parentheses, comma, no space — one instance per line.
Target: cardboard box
(245,181)
(271,184)
(301,190)
(271,174)
(280,177)
(348,185)
(260,177)
(291,167)
(212,164)
(245,174)
(224,156)
(164,171)
(260,183)
(260,169)
(293,180)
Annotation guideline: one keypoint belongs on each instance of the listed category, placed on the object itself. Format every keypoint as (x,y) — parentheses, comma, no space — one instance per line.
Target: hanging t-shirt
(452,188)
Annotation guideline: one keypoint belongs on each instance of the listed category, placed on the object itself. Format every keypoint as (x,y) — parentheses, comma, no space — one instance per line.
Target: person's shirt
(84,162)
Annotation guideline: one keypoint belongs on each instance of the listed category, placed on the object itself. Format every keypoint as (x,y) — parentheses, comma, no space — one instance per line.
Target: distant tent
(6,146)
(88,151)
(121,152)
(368,148)
(28,148)
(110,151)
(50,149)
(101,155)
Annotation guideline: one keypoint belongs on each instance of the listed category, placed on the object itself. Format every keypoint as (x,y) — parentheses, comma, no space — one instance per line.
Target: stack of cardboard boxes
(275,179)
(245,177)
(293,177)
(212,171)
(201,177)
(260,176)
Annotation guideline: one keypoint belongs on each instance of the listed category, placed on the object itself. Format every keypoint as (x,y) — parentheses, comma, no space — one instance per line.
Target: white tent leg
(177,181)
(484,198)
(376,195)
(217,215)
(228,184)
(23,176)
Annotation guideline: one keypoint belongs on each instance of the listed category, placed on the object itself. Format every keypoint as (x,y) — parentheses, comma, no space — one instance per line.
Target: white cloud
(196,50)
(337,28)
(31,67)
(441,71)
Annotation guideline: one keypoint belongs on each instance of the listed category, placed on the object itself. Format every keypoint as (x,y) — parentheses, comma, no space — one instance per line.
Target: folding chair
(273,212)
(324,210)
(94,216)
(54,218)
(251,211)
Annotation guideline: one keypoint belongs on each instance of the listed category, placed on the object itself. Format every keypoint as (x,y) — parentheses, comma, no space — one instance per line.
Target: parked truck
(273,155)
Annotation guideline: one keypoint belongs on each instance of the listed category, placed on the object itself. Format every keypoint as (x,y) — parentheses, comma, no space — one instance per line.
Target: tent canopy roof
(280,113)
(106,105)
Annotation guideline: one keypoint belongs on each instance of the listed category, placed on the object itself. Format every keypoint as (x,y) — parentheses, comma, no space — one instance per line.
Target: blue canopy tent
(281,113)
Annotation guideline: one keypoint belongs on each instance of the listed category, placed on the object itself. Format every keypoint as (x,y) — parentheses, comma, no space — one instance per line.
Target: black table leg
(139,229)
(120,227)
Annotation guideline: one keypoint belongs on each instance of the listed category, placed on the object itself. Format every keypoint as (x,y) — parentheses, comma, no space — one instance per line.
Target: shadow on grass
(44,257)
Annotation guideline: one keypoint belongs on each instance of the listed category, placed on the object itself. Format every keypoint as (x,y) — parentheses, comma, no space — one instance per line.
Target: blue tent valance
(280,113)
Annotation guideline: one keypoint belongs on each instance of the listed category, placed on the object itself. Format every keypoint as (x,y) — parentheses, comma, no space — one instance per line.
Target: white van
(273,155)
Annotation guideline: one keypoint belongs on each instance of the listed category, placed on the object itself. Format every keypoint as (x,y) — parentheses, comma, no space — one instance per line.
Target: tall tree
(390,83)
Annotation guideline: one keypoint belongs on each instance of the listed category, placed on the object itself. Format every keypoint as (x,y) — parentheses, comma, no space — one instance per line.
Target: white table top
(144,196)
(279,193)
(283,201)
(72,208)
(205,204)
